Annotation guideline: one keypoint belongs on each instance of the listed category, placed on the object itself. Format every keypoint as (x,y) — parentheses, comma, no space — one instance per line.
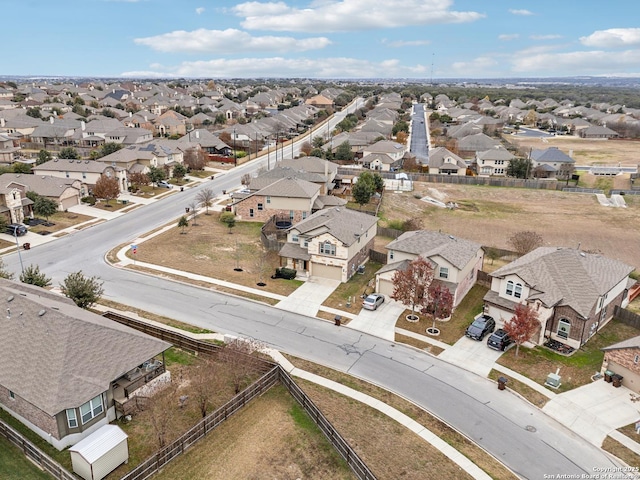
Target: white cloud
(200,10)
(576,63)
(279,67)
(613,37)
(349,15)
(508,36)
(405,43)
(228,41)
(481,66)
(520,12)
(545,37)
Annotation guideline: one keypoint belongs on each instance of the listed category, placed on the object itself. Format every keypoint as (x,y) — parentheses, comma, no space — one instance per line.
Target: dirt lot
(490,215)
(585,151)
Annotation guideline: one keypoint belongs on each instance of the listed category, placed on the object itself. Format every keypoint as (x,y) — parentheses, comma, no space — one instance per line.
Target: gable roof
(56,355)
(45,185)
(290,188)
(629,343)
(566,276)
(70,165)
(343,224)
(438,155)
(428,244)
(551,154)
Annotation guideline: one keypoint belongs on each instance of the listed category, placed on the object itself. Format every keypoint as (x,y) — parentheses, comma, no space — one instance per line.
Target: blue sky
(321,38)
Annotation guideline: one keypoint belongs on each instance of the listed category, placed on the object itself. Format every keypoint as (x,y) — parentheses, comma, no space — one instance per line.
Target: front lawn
(452,330)
(353,289)
(575,370)
(59,221)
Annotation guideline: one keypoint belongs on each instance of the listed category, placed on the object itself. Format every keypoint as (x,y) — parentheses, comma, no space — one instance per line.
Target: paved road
(515,432)
(419,145)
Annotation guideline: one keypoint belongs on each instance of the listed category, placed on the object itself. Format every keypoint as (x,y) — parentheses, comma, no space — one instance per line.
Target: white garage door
(326,271)
(385,287)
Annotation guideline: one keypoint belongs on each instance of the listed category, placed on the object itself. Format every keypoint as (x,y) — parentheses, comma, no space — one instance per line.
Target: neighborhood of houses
(305,199)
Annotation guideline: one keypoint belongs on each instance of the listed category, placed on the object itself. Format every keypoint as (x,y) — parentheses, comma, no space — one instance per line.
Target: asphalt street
(515,432)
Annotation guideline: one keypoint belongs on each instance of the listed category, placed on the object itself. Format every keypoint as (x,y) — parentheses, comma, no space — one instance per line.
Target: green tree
(4,273)
(343,152)
(318,142)
(378,182)
(109,148)
(33,276)
(84,291)
(179,171)
(34,112)
(70,153)
(229,219)
(362,190)
(183,223)
(43,156)
(156,174)
(45,207)
(20,167)
(519,168)
(400,126)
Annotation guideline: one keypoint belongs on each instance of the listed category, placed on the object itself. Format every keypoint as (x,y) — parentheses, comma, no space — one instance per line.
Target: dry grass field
(585,151)
(490,215)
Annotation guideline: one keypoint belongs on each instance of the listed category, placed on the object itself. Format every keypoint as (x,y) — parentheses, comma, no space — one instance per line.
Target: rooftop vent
(41,312)
(10,298)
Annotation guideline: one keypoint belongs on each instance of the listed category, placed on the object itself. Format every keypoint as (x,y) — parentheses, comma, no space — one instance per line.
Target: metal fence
(34,454)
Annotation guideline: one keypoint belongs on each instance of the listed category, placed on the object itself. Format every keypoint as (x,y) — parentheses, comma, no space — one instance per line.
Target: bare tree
(205,198)
(525,241)
(411,285)
(138,178)
(161,410)
(195,158)
(238,355)
(306,148)
(193,207)
(522,325)
(205,383)
(245,179)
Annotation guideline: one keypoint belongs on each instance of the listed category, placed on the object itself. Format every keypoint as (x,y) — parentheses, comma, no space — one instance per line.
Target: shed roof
(93,447)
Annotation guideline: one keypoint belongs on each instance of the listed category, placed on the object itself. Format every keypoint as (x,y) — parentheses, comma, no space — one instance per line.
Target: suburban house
(64,370)
(469,145)
(623,358)
(456,261)
(14,205)
(331,243)
(383,155)
(551,163)
(444,162)
(65,192)
(316,170)
(319,101)
(574,292)
(159,153)
(86,171)
(9,149)
(493,162)
(599,132)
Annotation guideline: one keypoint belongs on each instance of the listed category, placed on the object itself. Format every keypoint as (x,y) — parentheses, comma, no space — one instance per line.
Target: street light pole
(235,155)
(15,234)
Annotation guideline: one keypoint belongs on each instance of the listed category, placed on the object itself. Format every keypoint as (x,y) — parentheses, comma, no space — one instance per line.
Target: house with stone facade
(65,370)
(88,172)
(65,192)
(456,261)
(331,243)
(573,292)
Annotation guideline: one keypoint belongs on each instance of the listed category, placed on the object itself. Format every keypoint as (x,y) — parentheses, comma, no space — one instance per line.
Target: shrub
(286,273)
(89,199)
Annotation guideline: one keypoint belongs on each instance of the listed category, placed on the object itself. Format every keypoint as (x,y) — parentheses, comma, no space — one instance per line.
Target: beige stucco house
(86,171)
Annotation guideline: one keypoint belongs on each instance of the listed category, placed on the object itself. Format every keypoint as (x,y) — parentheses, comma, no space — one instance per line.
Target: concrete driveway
(594,410)
(380,322)
(307,298)
(471,355)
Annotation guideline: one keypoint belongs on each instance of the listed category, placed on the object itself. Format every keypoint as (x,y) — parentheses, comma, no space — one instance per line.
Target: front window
(564,328)
(327,248)
(91,409)
(291,215)
(295,238)
(260,207)
(72,419)
(444,272)
(390,254)
(268,199)
(509,288)
(518,290)
(251,212)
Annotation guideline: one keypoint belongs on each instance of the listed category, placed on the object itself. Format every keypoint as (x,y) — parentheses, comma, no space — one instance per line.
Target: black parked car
(481,325)
(499,340)
(16,229)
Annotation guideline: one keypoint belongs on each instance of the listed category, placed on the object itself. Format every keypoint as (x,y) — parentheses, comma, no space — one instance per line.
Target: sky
(422,39)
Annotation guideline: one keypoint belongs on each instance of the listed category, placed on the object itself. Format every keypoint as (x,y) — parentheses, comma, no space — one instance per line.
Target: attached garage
(70,202)
(630,379)
(326,271)
(624,359)
(384,277)
(97,455)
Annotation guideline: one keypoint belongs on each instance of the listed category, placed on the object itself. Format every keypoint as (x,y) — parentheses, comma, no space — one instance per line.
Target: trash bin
(338,320)
(212,176)
(617,380)
(502,382)
(26,246)
(186,209)
(607,376)
(182,189)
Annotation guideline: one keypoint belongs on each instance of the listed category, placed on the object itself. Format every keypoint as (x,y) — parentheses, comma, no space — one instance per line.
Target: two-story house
(86,171)
(331,243)
(445,162)
(383,155)
(551,163)
(455,261)
(573,292)
(493,162)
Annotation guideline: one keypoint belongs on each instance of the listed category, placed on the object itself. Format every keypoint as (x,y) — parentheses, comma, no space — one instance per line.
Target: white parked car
(373,301)
(164,184)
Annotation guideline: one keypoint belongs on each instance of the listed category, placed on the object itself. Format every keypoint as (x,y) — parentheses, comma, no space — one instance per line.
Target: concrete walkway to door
(308,297)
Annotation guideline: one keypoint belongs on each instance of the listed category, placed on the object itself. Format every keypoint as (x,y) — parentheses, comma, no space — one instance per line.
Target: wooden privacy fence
(626,317)
(34,454)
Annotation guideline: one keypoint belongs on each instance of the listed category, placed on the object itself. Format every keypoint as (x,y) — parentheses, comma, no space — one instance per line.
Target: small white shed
(94,457)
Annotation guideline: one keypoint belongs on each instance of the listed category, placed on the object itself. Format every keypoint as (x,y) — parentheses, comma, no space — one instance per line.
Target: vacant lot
(208,248)
(585,151)
(490,215)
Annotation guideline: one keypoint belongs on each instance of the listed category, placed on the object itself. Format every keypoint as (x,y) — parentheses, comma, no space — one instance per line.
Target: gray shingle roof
(290,187)
(342,223)
(67,355)
(428,244)
(551,154)
(567,276)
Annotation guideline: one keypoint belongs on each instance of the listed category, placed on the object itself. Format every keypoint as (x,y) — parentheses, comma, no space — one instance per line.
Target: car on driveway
(16,229)
(481,325)
(499,340)
(164,184)
(373,301)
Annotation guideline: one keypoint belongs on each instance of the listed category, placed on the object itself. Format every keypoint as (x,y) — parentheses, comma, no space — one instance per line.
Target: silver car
(373,301)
